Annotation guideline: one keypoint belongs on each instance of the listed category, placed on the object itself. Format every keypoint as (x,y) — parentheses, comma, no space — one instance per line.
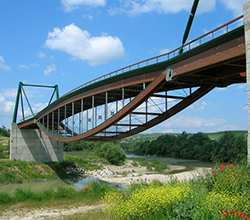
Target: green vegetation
(217,135)
(4,142)
(110,151)
(224,192)
(4,131)
(63,195)
(18,171)
(156,165)
(229,147)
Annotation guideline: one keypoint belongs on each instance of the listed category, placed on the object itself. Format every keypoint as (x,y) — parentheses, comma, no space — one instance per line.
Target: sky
(70,42)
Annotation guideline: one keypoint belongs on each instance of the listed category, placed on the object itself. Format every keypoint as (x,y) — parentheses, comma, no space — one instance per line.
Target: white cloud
(163,51)
(70,5)
(3,65)
(200,106)
(41,55)
(236,6)
(193,122)
(136,7)
(34,65)
(6,107)
(22,66)
(81,45)
(49,69)
(9,93)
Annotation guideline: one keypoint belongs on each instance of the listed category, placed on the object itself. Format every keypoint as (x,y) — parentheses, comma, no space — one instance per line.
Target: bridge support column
(33,145)
(247,43)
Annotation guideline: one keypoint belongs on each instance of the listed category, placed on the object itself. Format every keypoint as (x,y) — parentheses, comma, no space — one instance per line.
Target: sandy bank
(128,174)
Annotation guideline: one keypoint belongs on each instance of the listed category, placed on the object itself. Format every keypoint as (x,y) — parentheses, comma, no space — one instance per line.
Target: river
(55,183)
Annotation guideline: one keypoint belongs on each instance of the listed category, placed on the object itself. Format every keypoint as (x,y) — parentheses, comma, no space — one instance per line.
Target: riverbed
(124,175)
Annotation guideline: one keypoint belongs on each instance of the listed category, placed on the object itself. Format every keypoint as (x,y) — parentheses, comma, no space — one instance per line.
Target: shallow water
(40,186)
(83,182)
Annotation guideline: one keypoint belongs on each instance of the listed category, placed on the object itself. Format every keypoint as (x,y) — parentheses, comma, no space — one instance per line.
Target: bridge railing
(164,57)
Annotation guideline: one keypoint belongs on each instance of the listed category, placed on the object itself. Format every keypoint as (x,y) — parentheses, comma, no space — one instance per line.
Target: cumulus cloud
(136,7)
(22,66)
(70,5)
(165,50)
(49,69)
(9,93)
(81,45)
(6,106)
(199,106)
(236,6)
(3,65)
(182,122)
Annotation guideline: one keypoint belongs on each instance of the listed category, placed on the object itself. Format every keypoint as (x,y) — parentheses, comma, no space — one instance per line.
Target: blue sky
(71,42)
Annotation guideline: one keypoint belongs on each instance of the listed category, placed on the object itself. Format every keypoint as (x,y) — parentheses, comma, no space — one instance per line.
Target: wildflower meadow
(222,193)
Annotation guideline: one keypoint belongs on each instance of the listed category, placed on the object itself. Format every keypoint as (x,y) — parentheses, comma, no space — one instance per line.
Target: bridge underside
(136,101)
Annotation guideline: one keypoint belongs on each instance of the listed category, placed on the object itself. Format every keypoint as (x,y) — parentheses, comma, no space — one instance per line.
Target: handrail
(168,55)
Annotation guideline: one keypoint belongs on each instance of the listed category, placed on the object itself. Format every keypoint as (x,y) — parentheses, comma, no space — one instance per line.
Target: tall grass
(156,165)
(67,194)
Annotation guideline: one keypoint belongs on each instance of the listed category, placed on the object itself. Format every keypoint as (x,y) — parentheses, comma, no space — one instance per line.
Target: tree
(4,131)
(113,153)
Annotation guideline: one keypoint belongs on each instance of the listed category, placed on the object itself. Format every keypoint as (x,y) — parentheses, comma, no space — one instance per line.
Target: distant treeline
(229,147)
(4,131)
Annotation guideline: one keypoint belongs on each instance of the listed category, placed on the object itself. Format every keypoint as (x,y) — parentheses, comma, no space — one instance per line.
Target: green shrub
(48,194)
(65,192)
(23,195)
(5,198)
(9,177)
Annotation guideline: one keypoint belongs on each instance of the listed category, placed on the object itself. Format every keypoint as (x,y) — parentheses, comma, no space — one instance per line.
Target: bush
(23,195)
(4,198)
(65,192)
(113,153)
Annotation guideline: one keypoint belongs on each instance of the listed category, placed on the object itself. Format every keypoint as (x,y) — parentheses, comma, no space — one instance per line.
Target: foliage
(146,201)
(80,146)
(113,153)
(110,151)
(219,194)
(4,131)
(12,171)
(229,147)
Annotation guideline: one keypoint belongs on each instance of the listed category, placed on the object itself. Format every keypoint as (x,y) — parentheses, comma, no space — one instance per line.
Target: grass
(221,193)
(63,196)
(217,135)
(4,147)
(156,165)
(18,171)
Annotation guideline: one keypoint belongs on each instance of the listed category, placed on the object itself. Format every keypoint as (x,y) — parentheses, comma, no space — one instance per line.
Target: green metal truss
(21,93)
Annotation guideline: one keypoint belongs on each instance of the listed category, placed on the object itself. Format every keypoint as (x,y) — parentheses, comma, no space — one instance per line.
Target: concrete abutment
(33,145)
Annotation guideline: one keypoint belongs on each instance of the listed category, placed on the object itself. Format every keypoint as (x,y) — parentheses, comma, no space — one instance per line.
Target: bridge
(135,98)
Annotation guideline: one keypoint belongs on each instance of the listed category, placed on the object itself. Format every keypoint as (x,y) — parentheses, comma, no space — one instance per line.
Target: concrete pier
(33,145)
(247,43)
